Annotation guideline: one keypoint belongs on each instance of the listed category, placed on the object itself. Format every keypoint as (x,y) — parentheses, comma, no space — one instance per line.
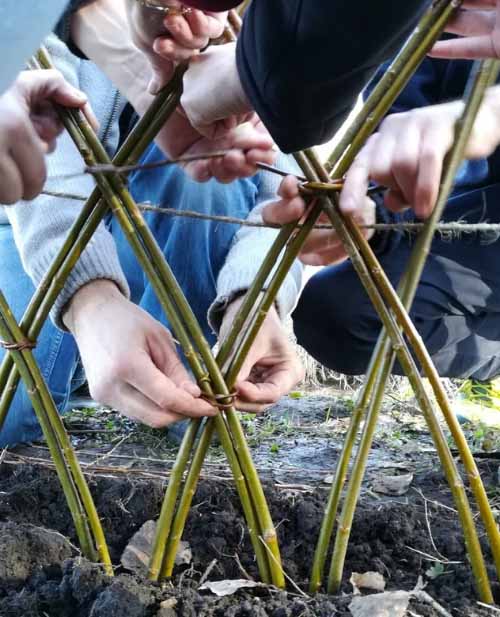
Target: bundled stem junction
(217,376)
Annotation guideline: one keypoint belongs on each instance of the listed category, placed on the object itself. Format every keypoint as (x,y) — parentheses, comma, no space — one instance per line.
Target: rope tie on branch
(21,346)
(221,401)
(454,228)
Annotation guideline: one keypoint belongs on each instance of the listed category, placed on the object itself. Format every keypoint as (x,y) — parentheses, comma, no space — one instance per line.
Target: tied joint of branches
(217,375)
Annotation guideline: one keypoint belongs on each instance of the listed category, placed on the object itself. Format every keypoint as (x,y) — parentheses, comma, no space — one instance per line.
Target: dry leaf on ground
(388,604)
(369,580)
(138,551)
(392,485)
(229,587)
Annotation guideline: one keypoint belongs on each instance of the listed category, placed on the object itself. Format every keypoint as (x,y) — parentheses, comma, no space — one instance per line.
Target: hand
(168,40)
(478,25)
(130,359)
(247,144)
(408,152)
(323,247)
(29,127)
(272,367)
(213,97)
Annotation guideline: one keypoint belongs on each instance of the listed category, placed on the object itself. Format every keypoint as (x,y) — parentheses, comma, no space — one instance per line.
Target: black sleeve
(303,63)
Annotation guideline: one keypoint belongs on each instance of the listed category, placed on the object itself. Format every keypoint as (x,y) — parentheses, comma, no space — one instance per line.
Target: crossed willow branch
(216,376)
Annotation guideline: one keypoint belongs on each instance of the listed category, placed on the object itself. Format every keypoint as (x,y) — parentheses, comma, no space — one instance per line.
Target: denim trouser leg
(56,351)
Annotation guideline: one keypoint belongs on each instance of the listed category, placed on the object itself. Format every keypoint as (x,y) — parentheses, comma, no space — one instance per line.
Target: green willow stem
(375,107)
(86,151)
(82,231)
(239,456)
(172,299)
(207,432)
(45,411)
(410,368)
(363,123)
(383,362)
(135,229)
(53,282)
(396,77)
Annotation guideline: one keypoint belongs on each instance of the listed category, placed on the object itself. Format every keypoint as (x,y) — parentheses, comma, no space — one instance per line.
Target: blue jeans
(195,249)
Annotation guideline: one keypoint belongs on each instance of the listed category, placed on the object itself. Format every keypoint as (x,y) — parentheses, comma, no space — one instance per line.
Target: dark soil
(42,577)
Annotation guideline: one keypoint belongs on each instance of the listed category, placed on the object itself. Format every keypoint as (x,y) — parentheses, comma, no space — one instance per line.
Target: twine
(454,227)
(216,400)
(21,346)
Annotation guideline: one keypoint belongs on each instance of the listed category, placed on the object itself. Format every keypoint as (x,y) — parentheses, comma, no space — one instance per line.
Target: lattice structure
(217,375)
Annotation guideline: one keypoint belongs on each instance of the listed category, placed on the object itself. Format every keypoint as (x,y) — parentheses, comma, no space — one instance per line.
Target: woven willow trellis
(217,376)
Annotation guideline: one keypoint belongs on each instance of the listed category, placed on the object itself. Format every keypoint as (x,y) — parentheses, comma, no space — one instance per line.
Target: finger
(40,86)
(470,48)
(162,391)
(164,355)
(210,26)
(199,171)
(284,211)
(63,93)
(47,124)
(479,4)
(382,157)
(29,156)
(357,179)
(321,240)
(235,164)
(325,257)
(170,50)
(395,201)
(138,407)
(11,184)
(180,29)
(249,137)
(432,153)
(166,359)
(261,155)
(406,160)
(276,382)
(229,167)
(289,188)
(471,23)
(162,69)
(88,112)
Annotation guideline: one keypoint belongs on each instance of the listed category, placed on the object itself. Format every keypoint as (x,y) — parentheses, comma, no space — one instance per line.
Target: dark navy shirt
(303,63)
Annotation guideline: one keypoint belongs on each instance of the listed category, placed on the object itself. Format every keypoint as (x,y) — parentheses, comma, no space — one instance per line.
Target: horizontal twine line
(450,228)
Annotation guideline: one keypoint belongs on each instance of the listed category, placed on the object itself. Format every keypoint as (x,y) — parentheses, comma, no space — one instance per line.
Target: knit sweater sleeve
(250,246)
(41,226)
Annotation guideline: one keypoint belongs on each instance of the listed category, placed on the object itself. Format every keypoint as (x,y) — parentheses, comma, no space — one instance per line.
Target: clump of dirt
(392,537)
(26,548)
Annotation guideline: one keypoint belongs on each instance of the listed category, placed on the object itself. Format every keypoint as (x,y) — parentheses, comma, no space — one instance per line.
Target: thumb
(162,73)
(63,93)
(66,95)
(246,369)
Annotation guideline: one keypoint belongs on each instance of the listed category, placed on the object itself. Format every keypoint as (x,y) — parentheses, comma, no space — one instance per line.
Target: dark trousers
(456,310)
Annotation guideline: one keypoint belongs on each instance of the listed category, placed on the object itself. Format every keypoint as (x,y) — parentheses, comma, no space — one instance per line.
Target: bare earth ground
(295,446)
